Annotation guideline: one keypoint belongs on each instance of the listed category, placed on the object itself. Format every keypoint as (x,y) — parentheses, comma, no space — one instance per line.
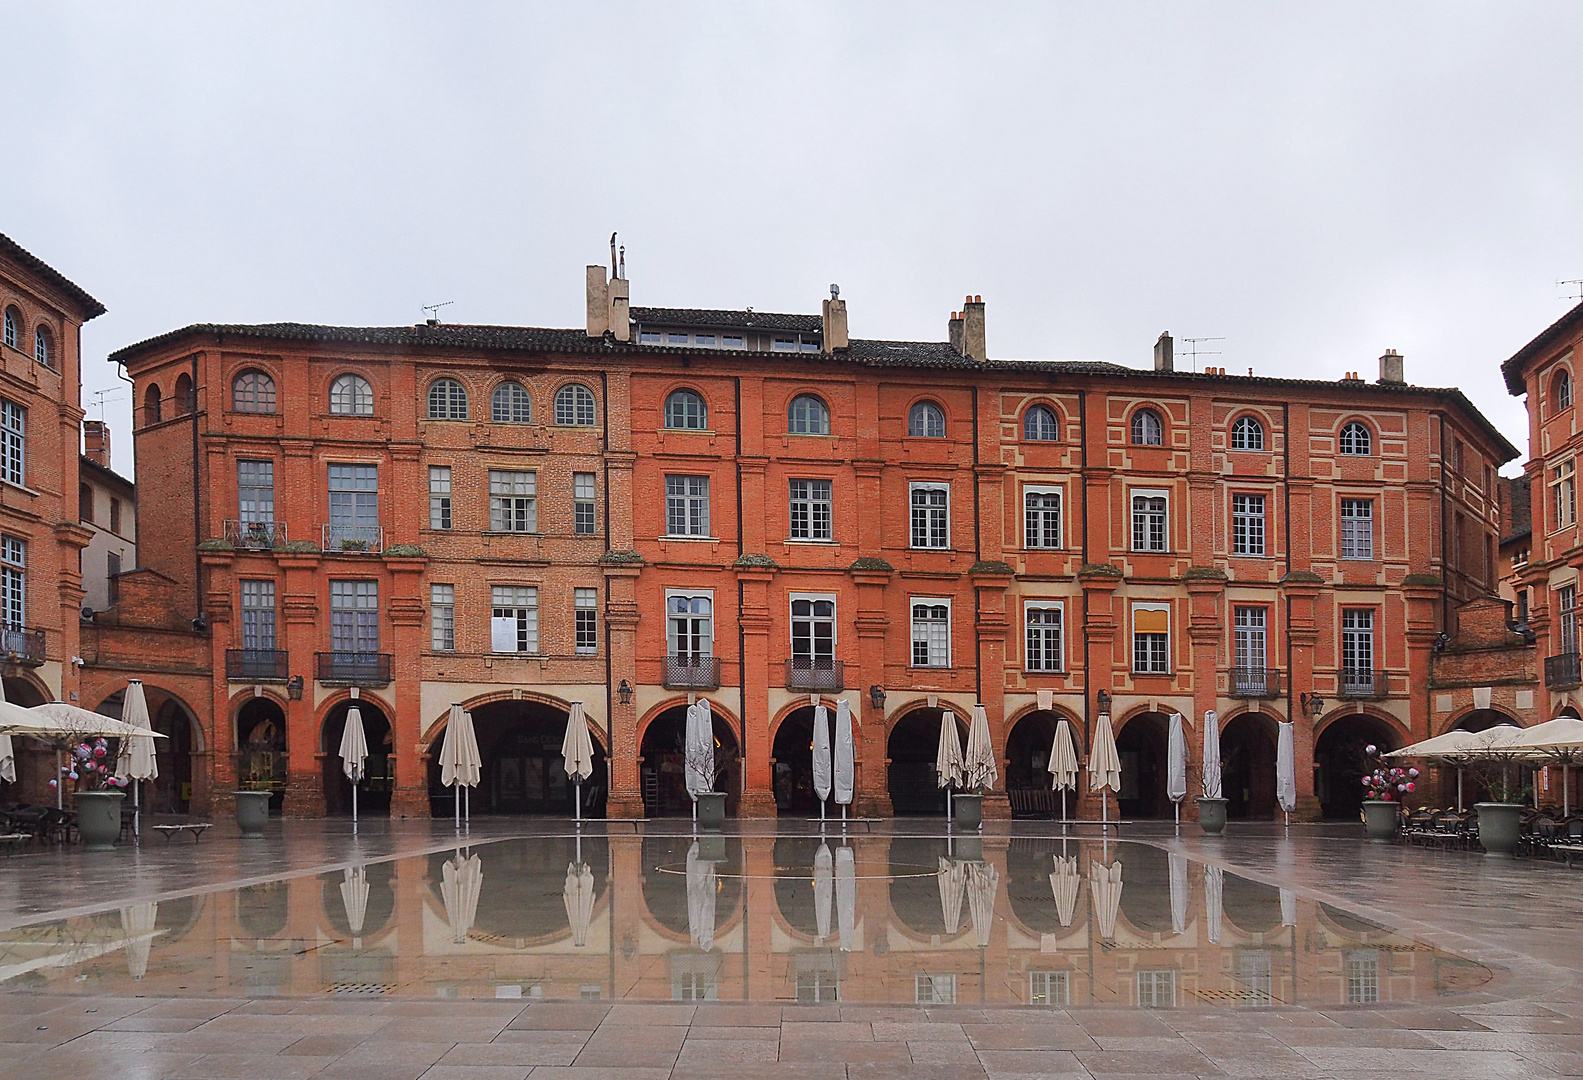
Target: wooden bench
(196,828)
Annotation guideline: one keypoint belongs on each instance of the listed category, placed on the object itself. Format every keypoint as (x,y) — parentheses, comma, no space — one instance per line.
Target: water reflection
(906,919)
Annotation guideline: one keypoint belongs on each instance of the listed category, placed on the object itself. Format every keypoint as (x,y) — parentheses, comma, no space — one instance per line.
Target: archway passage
(35,761)
(373,794)
(261,749)
(170,792)
(663,776)
(793,753)
(1341,761)
(1474,788)
(1141,745)
(911,748)
(1247,755)
(519,743)
(1027,766)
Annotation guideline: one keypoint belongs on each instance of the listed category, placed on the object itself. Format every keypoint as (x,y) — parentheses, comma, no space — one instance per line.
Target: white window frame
(1059,491)
(13,442)
(689,499)
(1244,632)
(934,989)
(816,530)
(585,504)
(441,517)
(1567,617)
(1041,983)
(1354,542)
(13,582)
(1156,984)
(912,626)
(912,535)
(1358,635)
(1563,498)
(1060,658)
(523,625)
(585,609)
(792,619)
(689,594)
(1151,605)
(442,617)
(510,506)
(1253,526)
(1239,429)
(1133,495)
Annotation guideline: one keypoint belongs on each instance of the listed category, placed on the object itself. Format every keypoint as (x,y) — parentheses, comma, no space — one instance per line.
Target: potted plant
(252,812)
(98,794)
(711,803)
(1387,787)
(969,808)
(1500,819)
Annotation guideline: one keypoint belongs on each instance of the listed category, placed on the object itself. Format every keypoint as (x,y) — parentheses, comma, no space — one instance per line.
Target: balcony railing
(354,668)
(257,665)
(351,539)
(1564,672)
(255,535)
(1355,683)
(815,673)
(692,672)
(22,645)
(1255,683)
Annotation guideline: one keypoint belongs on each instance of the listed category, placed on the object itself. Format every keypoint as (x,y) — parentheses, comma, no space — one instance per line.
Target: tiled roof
(91,308)
(1512,369)
(1518,519)
(727,320)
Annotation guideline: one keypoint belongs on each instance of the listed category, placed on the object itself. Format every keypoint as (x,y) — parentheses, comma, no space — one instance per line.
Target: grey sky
(1313,184)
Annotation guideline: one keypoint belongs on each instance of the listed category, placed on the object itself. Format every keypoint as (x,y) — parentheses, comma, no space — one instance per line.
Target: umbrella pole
(468,799)
(60,779)
(577,808)
(1566,790)
(1177,807)
(456,796)
(137,809)
(354,805)
(1459,789)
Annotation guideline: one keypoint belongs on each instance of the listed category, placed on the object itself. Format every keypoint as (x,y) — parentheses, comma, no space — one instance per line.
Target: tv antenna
(1195,352)
(433,312)
(102,396)
(1574,289)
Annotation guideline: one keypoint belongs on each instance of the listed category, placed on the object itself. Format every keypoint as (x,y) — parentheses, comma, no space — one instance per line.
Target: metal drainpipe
(604,480)
(978,553)
(197,496)
(1082,429)
(1286,548)
(742,638)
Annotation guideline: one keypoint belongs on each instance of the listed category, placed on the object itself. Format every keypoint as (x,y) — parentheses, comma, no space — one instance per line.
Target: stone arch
(912,738)
(260,732)
(1475,719)
(373,793)
(1340,761)
(180,782)
(660,758)
(791,755)
(663,888)
(1141,744)
(1247,755)
(519,740)
(35,761)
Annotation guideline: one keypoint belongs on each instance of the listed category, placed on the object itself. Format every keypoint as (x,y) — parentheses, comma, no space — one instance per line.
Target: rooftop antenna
(433,310)
(614,269)
(623,262)
(1195,352)
(102,396)
(1574,289)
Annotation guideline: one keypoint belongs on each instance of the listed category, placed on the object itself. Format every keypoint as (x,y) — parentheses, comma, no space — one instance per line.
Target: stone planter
(252,812)
(1500,824)
(99,819)
(969,811)
(1382,818)
(712,810)
(1211,815)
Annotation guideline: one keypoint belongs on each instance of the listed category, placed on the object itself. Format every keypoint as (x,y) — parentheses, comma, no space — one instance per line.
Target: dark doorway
(1474,788)
(171,792)
(1141,745)
(793,764)
(664,780)
(523,771)
(912,746)
(35,760)
(373,794)
(261,749)
(1247,755)
(1341,761)
(1028,751)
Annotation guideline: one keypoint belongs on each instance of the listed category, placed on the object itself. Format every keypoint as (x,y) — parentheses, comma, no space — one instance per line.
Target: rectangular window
(439,496)
(1256,977)
(1563,487)
(85,503)
(931,516)
(676,339)
(354,616)
(255,491)
(1248,641)
(513,501)
(931,633)
(1566,611)
(584,516)
(258,614)
(934,989)
(1363,977)
(13,443)
(514,621)
(1151,639)
(442,618)
(703,339)
(1357,647)
(1043,623)
(1041,518)
(810,510)
(818,985)
(813,630)
(13,582)
(115,516)
(687,506)
(1247,524)
(1157,989)
(648,337)
(1049,988)
(731,341)
(354,503)
(1148,521)
(585,603)
(783,344)
(1357,529)
(690,625)
(112,569)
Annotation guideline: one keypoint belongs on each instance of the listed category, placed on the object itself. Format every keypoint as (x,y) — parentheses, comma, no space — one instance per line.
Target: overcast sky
(1314,185)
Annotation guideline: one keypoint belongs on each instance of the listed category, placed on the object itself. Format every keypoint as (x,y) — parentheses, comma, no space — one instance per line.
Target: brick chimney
(96,442)
(973,328)
(598,302)
(834,323)
(1391,368)
(953,332)
(609,304)
(1164,352)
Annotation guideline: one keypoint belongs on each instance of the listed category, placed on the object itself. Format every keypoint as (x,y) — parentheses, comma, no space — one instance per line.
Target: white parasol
(845,756)
(1063,762)
(1214,890)
(1288,907)
(1064,882)
(578,896)
(461,766)
(823,889)
(1560,740)
(823,759)
(1104,882)
(952,878)
(701,885)
(461,882)
(1178,893)
(61,724)
(845,896)
(577,753)
(136,760)
(1176,765)
(1211,755)
(354,896)
(948,768)
(1104,765)
(978,767)
(983,881)
(1286,770)
(698,753)
(138,924)
(354,753)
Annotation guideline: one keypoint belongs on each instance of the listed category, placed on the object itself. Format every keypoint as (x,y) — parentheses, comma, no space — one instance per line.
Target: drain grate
(361,989)
(1236,997)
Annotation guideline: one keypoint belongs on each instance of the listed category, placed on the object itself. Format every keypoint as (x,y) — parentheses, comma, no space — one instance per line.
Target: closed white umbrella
(136,760)
(983,881)
(461,765)
(1104,765)
(1064,882)
(1214,890)
(1176,766)
(845,757)
(823,889)
(823,759)
(948,769)
(978,767)
(952,879)
(1288,907)
(354,752)
(137,923)
(845,896)
(1104,882)
(1178,893)
(698,765)
(578,896)
(354,897)
(1063,762)
(701,885)
(1286,770)
(7,759)
(577,753)
(1211,755)
(461,882)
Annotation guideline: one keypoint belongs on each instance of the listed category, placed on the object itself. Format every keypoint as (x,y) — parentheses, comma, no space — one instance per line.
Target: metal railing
(1564,672)
(257,665)
(815,673)
(692,672)
(255,535)
(359,668)
(1358,683)
(22,645)
(350,539)
(1255,683)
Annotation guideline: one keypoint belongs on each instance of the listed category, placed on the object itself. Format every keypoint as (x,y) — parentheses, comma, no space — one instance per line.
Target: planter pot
(969,811)
(252,812)
(1211,815)
(1500,824)
(712,810)
(99,819)
(1382,818)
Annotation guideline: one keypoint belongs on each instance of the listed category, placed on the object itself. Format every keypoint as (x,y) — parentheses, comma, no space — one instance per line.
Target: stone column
(621,634)
(221,737)
(754,573)
(410,795)
(300,612)
(871,795)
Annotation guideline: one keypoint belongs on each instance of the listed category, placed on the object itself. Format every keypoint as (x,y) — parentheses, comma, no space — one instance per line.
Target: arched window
(1038,425)
(41,350)
(686,409)
(350,395)
(926,421)
(183,394)
(151,404)
(13,326)
(1147,429)
(1355,440)
(447,400)
(808,416)
(253,391)
(1247,434)
(510,404)
(574,406)
(1561,389)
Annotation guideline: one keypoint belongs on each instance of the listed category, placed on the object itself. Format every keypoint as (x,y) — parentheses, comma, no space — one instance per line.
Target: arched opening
(1341,761)
(1474,790)
(1028,867)
(373,794)
(1146,894)
(183,395)
(665,880)
(1141,745)
(910,750)
(261,749)
(1247,755)
(522,900)
(35,761)
(794,897)
(1028,746)
(519,743)
(171,791)
(914,889)
(1254,907)
(793,762)
(262,909)
(151,404)
(381,903)
(661,764)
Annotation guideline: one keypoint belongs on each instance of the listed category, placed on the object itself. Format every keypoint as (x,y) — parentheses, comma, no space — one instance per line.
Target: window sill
(947,548)
(930,667)
(1044,671)
(502,532)
(1152,674)
(19,487)
(1051,550)
(689,539)
(1160,551)
(811,543)
(686,431)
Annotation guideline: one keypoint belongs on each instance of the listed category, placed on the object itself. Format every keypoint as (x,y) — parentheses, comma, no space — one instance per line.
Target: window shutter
(1151,621)
(503,633)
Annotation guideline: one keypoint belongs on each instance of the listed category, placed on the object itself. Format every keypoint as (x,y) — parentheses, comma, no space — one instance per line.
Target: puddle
(874,919)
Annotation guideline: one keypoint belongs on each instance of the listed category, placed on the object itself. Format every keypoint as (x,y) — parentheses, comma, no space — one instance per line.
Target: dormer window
(649,337)
(675,339)
(732,341)
(703,339)
(785,344)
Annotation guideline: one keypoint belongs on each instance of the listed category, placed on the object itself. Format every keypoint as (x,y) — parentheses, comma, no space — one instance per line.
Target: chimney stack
(953,332)
(96,442)
(609,309)
(973,328)
(834,323)
(1164,352)
(1391,368)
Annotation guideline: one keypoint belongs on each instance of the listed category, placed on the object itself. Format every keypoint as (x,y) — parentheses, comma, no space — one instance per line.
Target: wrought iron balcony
(815,673)
(22,645)
(1255,683)
(1356,683)
(352,539)
(257,665)
(255,535)
(1564,672)
(353,668)
(692,672)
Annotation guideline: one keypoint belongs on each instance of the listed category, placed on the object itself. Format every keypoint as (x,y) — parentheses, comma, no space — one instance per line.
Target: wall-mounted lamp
(624,692)
(876,696)
(1312,704)
(1103,698)
(294,688)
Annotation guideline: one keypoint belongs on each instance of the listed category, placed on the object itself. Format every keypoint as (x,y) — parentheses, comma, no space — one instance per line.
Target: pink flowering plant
(1387,783)
(91,768)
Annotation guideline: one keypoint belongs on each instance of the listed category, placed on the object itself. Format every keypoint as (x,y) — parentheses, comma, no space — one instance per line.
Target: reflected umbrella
(983,881)
(823,890)
(1064,882)
(1063,762)
(1288,907)
(137,922)
(1104,883)
(462,879)
(952,878)
(1178,893)
(845,895)
(578,896)
(701,886)
(354,895)
(1214,890)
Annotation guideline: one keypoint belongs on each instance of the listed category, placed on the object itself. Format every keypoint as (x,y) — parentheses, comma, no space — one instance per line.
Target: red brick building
(758,508)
